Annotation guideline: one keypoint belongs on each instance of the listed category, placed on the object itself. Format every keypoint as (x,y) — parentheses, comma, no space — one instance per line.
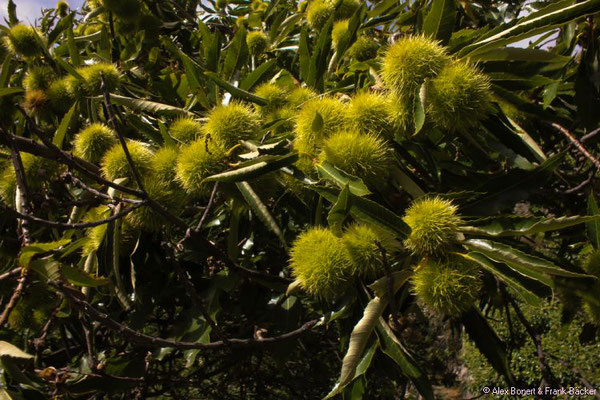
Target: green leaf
(518,226)
(593,227)
(31,250)
(339,212)
(330,172)
(519,54)
(259,167)
(358,341)
(192,70)
(506,275)
(392,347)
(10,91)
(380,286)
(236,92)
(79,277)
(506,254)
(146,105)
(550,17)
(370,212)
(237,54)
(258,75)
(360,336)
(11,351)
(488,343)
(419,111)
(319,58)
(59,136)
(439,22)
(317,123)
(304,54)
(12,13)
(73,52)
(261,210)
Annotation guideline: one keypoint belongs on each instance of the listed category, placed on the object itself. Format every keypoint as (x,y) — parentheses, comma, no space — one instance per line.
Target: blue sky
(29,10)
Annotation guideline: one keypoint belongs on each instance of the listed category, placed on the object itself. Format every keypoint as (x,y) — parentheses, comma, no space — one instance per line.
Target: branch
(577,144)
(10,274)
(65,225)
(152,341)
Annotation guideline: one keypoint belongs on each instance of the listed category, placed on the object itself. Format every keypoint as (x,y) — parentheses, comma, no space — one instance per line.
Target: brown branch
(14,299)
(208,207)
(66,225)
(583,380)
(10,274)
(390,286)
(152,341)
(97,193)
(577,144)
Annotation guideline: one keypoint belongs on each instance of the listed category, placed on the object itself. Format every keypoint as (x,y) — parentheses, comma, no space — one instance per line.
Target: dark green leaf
(236,92)
(439,21)
(342,179)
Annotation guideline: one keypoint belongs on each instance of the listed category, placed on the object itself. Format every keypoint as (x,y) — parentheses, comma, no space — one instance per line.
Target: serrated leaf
(520,54)
(79,277)
(10,91)
(258,75)
(518,226)
(593,227)
(259,208)
(11,351)
(33,249)
(304,54)
(488,343)
(370,212)
(236,92)
(392,347)
(439,21)
(320,57)
(146,105)
(503,253)
(342,179)
(547,18)
(511,280)
(339,212)
(59,136)
(419,111)
(237,54)
(260,167)
(380,286)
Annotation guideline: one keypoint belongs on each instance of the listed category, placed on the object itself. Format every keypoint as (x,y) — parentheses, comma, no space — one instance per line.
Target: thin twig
(97,193)
(152,341)
(577,144)
(208,207)
(66,225)
(10,274)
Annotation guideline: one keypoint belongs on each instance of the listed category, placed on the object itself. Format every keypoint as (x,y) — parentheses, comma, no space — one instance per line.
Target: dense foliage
(283,200)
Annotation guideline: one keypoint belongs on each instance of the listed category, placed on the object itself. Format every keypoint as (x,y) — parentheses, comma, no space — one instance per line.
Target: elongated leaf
(517,226)
(260,210)
(504,253)
(339,212)
(59,136)
(192,70)
(439,21)
(31,250)
(258,75)
(237,54)
(488,342)
(419,111)
(541,21)
(261,167)
(11,351)
(79,277)
(319,58)
(146,105)
(304,54)
(342,179)
(502,191)
(236,92)
(361,333)
(593,227)
(358,341)
(10,90)
(369,211)
(519,54)
(504,274)
(391,346)
(380,286)
(361,368)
